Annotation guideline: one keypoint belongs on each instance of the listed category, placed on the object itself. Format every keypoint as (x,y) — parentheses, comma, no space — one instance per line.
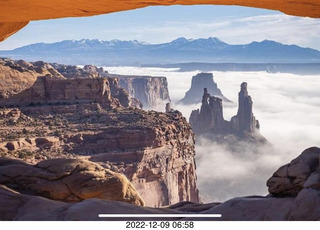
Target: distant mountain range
(181,50)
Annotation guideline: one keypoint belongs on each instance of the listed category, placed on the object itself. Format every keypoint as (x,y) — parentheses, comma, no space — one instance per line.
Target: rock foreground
(68,180)
(301,204)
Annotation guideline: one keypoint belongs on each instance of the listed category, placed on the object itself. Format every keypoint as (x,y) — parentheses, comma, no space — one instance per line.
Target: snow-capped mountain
(117,52)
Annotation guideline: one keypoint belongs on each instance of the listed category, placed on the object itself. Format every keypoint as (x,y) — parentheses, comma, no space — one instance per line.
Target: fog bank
(287,107)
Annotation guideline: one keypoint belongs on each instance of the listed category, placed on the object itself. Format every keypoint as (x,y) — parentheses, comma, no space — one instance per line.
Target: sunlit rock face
(14,15)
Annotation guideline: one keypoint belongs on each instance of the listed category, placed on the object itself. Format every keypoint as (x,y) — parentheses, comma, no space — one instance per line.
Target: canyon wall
(18,76)
(158,160)
(151,91)
(46,90)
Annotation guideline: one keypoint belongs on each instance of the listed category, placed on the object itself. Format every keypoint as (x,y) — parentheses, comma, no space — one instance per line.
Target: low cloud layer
(288,108)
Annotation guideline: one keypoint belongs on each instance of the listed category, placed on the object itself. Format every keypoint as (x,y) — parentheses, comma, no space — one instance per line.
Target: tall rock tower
(209,119)
(244,121)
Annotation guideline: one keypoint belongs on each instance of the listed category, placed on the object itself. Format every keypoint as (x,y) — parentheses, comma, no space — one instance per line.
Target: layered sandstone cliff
(200,81)
(209,119)
(34,82)
(143,91)
(72,71)
(151,91)
(64,91)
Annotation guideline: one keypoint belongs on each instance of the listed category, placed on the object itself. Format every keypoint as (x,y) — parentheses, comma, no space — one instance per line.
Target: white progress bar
(162,215)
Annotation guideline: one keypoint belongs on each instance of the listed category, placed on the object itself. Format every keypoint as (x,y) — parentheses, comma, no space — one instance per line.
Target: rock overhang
(14,15)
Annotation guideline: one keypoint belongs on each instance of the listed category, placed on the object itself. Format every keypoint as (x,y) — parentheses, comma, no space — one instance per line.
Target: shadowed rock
(301,173)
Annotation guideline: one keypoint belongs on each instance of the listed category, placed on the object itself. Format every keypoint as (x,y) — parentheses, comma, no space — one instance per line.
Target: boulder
(302,172)
(69,180)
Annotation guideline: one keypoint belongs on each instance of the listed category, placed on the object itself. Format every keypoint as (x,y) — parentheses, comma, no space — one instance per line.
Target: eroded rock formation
(209,119)
(15,15)
(200,81)
(244,121)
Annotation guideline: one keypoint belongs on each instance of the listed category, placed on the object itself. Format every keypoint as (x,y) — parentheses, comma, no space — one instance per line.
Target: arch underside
(14,15)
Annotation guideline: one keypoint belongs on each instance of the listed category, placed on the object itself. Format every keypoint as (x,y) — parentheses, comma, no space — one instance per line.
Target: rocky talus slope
(297,198)
(198,83)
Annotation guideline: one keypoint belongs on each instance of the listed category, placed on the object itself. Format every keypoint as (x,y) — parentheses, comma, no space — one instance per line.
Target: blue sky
(232,24)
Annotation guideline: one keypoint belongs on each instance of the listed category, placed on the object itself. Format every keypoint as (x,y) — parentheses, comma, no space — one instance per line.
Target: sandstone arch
(14,15)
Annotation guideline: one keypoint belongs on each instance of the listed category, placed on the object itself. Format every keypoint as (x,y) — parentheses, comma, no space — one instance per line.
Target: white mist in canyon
(287,107)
